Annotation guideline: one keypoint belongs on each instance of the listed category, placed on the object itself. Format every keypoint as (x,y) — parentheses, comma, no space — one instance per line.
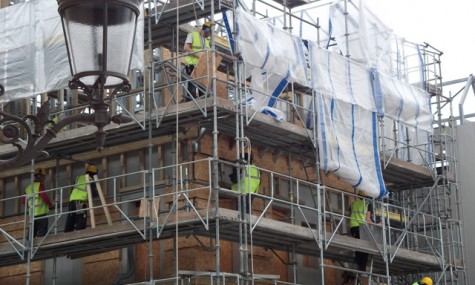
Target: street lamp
(99,37)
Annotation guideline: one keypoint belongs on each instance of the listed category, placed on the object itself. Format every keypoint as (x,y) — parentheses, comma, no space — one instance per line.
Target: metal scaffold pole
(150,176)
(215,151)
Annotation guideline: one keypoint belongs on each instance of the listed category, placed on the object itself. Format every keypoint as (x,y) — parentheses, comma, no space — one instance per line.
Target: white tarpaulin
(263,84)
(347,120)
(264,46)
(363,36)
(406,103)
(348,143)
(33,56)
(349,92)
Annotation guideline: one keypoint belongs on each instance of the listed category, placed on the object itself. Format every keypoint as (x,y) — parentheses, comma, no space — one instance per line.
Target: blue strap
(377,162)
(228,30)
(376,90)
(280,87)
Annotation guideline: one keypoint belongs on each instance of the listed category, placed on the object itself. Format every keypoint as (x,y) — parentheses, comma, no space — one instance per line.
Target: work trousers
(40,226)
(76,220)
(245,205)
(361,258)
(192,90)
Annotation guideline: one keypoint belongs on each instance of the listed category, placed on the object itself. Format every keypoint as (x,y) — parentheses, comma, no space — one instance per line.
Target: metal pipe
(56,204)
(347,41)
(215,172)
(464,96)
(151,186)
(30,206)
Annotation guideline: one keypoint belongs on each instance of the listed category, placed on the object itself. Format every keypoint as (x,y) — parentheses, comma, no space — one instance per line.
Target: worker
(194,43)
(249,180)
(424,281)
(361,212)
(349,278)
(36,192)
(78,201)
(54,121)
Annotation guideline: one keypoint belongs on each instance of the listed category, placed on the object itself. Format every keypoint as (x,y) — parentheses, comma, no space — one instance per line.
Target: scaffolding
(181,204)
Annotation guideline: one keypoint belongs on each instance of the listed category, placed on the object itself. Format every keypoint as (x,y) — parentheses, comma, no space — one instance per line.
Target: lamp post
(99,36)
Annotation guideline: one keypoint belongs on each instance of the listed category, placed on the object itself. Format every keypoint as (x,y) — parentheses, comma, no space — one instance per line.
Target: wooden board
(103,199)
(204,71)
(144,210)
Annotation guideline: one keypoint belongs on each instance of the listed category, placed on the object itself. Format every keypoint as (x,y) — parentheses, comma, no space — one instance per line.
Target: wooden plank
(17,192)
(90,203)
(123,170)
(204,67)
(103,199)
(144,210)
(105,172)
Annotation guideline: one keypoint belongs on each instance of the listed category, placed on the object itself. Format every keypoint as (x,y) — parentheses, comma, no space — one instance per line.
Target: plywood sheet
(203,71)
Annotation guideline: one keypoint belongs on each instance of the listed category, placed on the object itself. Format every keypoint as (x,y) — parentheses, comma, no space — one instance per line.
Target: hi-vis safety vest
(196,46)
(40,207)
(250,180)
(358,213)
(79,192)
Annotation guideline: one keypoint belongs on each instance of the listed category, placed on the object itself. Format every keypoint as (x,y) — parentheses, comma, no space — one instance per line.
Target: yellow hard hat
(426,281)
(207,24)
(41,171)
(91,168)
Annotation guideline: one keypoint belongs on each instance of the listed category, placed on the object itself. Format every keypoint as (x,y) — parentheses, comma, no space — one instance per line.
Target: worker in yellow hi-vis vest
(361,214)
(249,179)
(194,43)
(77,217)
(35,193)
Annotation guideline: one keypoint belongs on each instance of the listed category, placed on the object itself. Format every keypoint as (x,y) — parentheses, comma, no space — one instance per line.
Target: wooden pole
(103,200)
(91,205)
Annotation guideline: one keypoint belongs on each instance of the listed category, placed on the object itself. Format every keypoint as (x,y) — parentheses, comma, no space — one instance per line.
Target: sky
(446,25)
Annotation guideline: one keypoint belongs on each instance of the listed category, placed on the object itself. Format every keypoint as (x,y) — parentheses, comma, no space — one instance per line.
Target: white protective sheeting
(33,56)
(406,103)
(263,84)
(369,40)
(363,36)
(347,121)
(270,66)
(338,77)
(350,92)
(264,46)
(348,143)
